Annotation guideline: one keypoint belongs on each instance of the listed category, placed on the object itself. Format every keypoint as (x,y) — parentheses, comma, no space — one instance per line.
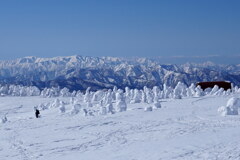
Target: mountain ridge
(79,72)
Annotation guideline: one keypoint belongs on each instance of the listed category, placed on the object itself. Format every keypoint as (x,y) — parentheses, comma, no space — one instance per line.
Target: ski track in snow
(182,129)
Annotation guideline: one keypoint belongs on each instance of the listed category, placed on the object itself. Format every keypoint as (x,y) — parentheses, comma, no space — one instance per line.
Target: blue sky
(177,30)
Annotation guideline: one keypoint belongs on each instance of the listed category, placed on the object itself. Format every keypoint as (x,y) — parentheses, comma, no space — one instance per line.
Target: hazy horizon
(162,60)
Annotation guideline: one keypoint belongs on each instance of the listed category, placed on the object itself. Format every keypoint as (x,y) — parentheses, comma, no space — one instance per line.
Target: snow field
(180,123)
(188,128)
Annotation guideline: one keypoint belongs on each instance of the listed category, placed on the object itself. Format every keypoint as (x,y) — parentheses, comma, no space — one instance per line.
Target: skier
(37,112)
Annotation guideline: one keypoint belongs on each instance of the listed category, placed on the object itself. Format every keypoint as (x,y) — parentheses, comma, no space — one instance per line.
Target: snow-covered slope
(189,128)
(78,72)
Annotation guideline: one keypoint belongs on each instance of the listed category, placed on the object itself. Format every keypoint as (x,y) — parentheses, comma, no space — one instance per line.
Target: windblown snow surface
(188,128)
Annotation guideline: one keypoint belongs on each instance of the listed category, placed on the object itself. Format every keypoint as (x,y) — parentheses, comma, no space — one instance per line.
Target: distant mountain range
(79,72)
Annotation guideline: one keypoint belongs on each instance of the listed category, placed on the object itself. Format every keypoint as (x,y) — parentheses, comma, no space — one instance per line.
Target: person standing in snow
(37,112)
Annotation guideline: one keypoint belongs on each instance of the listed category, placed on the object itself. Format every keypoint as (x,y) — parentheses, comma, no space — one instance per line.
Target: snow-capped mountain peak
(79,72)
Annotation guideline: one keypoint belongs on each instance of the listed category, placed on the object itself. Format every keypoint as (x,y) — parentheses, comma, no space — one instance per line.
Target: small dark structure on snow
(220,84)
(37,112)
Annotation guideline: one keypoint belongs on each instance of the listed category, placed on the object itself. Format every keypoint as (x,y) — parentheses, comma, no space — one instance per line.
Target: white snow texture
(153,124)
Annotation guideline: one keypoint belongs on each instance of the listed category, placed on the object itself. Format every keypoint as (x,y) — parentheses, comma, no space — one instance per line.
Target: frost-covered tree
(14,90)
(73,94)
(4,119)
(56,103)
(120,102)
(75,109)
(97,96)
(143,97)
(198,92)
(156,91)
(4,90)
(219,92)
(107,102)
(127,94)
(231,108)
(65,92)
(115,89)
(72,100)
(136,97)
(79,94)
(87,96)
(43,106)
(22,91)
(114,92)
(108,97)
(131,94)
(50,92)
(103,110)
(214,90)
(178,91)
(207,91)
(149,95)
(161,94)
(228,92)
(94,98)
(167,91)
(189,93)
(109,108)
(62,108)
(33,91)
(156,103)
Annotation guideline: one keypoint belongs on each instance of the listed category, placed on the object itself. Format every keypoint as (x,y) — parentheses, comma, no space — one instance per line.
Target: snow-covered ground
(188,128)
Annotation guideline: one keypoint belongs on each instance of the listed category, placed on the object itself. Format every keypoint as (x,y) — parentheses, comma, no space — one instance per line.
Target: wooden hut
(221,84)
